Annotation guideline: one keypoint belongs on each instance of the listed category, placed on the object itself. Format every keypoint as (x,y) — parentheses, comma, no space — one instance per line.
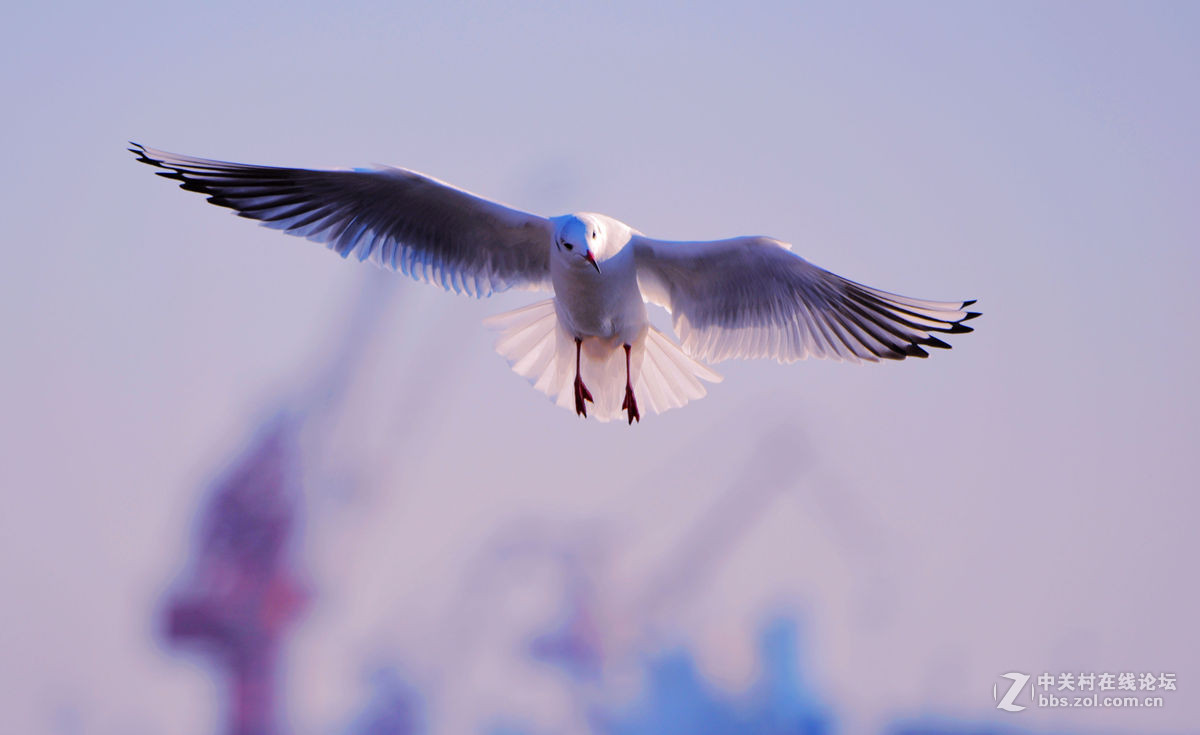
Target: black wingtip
(139,150)
(970,315)
(968,302)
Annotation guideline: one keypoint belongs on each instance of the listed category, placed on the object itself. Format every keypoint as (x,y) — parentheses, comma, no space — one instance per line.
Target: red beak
(591,259)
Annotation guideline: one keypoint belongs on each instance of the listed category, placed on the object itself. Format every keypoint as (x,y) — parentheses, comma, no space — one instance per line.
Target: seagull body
(594,301)
(592,344)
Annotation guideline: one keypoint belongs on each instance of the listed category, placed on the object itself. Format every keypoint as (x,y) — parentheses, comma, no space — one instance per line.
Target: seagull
(592,343)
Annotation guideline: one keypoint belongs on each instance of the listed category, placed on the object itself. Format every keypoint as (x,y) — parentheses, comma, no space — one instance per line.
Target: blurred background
(249,487)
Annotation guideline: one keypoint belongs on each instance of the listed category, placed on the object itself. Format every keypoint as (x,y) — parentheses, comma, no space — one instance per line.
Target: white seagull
(742,297)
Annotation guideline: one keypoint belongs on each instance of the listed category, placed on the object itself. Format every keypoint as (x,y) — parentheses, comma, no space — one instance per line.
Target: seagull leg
(581,392)
(630,403)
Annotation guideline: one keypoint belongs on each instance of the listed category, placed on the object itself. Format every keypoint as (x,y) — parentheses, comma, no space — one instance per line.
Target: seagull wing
(397,218)
(753,297)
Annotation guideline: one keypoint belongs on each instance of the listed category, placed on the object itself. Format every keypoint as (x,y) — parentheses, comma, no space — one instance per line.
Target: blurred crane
(242,590)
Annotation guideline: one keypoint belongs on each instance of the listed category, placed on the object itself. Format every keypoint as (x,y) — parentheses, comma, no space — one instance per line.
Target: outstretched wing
(753,297)
(397,218)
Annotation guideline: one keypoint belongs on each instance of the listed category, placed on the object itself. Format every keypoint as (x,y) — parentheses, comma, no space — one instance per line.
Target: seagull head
(579,239)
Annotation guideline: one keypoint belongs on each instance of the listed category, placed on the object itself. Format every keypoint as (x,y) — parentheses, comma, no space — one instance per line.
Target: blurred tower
(242,591)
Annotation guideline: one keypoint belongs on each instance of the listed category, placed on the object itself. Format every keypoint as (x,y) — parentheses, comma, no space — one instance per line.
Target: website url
(1049,700)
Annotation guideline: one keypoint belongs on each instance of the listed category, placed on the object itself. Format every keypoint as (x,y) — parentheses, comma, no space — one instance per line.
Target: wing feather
(396,218)
(753,297)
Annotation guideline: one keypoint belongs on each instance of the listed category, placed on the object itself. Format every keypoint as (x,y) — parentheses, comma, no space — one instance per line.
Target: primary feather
(752,297)
(397,218)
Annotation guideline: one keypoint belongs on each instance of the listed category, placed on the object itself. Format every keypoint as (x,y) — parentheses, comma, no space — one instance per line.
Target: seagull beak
(592,259)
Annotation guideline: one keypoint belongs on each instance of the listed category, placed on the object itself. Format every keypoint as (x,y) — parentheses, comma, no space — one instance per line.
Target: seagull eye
(568,246)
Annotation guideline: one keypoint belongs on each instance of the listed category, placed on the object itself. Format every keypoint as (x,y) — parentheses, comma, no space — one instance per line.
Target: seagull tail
(664,376)
(668,377)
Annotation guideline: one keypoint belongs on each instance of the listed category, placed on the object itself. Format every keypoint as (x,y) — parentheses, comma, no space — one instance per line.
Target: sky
(1023,502)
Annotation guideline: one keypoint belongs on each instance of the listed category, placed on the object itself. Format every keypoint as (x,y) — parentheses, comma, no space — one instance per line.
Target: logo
(1007,703)
(1104,689)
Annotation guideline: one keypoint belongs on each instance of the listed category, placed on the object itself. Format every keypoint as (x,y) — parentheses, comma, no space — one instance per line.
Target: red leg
(630,403)
(581,392)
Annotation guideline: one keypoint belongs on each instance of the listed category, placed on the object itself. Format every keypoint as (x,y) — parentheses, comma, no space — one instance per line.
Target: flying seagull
(592,342)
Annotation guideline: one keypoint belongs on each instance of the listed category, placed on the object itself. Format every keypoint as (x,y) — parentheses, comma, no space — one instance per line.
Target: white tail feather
(664,376)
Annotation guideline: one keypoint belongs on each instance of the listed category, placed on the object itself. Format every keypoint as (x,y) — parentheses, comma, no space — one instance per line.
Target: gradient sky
(1024,502)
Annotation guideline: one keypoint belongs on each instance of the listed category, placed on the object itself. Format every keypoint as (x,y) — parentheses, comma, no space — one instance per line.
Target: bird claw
(582,394)
(630,405)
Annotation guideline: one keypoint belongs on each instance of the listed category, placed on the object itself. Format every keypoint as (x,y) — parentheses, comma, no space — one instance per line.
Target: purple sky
(1025,502)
